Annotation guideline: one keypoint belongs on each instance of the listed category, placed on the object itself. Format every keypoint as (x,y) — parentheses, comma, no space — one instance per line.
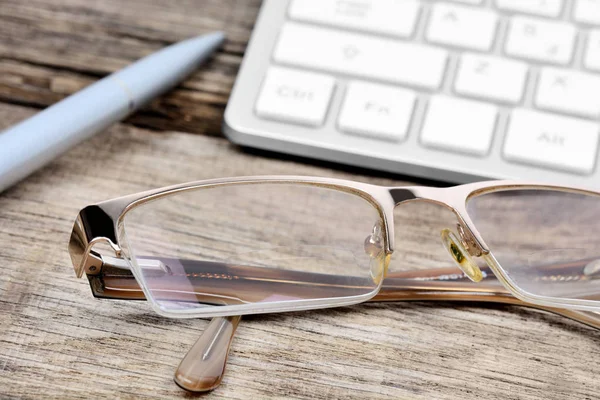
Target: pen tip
(204,45)
(215,38)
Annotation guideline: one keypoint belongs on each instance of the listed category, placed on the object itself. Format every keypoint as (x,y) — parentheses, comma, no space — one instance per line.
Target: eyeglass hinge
(93,263)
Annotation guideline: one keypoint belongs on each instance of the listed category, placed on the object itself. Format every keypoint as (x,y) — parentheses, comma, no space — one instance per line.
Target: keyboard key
(546,8)
(462,26)
(378,111)
(592,52)
(360,55)
(551,141)
(458,125)
(540,40)
(389,17)
(295,96)
(587,11)
(473,2)
(491,78)
(570,92)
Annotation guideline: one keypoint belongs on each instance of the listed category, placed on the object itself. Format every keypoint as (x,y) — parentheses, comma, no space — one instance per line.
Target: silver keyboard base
(242,126)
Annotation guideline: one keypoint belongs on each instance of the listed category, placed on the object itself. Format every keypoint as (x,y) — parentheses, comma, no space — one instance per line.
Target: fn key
(295,96)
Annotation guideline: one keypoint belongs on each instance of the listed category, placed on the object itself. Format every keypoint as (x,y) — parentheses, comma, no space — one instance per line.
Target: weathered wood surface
(57,341)
(50,49)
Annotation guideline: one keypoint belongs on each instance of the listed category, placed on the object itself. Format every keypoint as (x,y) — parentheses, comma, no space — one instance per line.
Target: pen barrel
(40,139)
(35,142)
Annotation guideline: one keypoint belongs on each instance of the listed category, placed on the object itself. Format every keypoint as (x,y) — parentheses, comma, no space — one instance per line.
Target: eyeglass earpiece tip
(202,368)
(197,386)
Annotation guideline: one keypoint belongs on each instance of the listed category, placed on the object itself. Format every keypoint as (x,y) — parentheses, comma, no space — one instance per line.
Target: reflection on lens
(245,244)
(545,240)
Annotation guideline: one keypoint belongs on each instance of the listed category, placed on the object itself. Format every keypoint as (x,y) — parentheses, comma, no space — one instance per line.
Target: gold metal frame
(103,222)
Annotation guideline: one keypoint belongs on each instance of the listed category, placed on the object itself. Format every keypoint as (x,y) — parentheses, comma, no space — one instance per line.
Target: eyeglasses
(269,244)
(253,245)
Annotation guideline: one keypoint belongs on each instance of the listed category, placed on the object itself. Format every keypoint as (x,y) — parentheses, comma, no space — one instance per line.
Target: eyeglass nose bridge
(454,199)
(466,243)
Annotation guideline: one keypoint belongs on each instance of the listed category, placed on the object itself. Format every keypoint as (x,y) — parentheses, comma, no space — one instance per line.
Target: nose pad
(592,269)
(375,250)
(461,256)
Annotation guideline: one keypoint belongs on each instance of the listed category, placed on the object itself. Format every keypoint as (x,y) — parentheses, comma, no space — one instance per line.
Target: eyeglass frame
(104,223)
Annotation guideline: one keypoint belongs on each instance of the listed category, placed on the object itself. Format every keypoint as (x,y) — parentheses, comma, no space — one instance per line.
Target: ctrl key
(551,141)
(295,96)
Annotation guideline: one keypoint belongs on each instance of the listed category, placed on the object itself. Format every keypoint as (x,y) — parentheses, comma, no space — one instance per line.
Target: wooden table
(57,341)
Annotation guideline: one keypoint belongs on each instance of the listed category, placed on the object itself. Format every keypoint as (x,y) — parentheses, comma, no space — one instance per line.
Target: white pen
(33,143)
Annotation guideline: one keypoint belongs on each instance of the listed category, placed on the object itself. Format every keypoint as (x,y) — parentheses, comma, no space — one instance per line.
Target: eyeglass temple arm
(199,373)
(115,280)
(203,367)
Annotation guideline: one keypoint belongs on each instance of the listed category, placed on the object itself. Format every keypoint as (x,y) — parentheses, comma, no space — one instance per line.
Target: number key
(541,40)
(592,53)
(587,11)
(546,8)
(391,17)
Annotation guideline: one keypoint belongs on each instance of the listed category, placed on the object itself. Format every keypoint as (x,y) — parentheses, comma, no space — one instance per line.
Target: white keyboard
(452,90)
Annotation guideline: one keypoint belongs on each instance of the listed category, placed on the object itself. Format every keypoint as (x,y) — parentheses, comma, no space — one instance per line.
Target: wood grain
(57,341)
(50,49)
